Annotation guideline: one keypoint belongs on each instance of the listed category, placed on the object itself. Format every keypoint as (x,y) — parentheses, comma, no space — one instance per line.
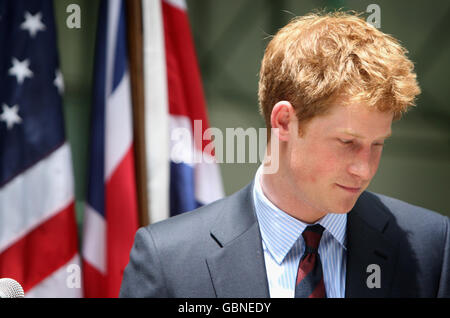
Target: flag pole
(135,53)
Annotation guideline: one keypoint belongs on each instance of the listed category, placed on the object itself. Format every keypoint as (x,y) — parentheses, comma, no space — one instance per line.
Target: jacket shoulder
(408,214)
(189,227)
(421,227)
(195,226)
(423,240)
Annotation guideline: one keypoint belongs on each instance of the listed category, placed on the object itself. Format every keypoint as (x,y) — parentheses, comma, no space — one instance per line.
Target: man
(330,87)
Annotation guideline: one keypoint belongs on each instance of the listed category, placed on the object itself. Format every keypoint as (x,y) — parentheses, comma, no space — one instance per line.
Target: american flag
(38,232)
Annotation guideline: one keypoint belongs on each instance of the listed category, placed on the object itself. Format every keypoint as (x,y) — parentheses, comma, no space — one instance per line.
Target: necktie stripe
(307,265)
(309,282)
(319,291)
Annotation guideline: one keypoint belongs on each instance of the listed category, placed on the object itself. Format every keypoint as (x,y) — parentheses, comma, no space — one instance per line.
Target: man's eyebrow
(354,134)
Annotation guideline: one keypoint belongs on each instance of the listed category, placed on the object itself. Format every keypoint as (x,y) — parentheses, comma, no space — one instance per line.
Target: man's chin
(343,207)
(344,203)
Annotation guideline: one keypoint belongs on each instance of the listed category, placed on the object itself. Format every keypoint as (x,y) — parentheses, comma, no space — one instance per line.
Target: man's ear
(281,117)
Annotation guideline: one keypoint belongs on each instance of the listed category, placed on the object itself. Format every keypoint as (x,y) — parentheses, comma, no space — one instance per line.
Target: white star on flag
(33,23)
(20,70)
(10,116)
(59,81)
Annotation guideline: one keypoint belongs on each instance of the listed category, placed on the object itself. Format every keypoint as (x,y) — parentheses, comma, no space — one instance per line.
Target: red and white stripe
(38,232)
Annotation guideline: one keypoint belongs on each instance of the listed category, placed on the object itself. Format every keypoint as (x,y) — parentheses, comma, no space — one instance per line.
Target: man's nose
(362,164)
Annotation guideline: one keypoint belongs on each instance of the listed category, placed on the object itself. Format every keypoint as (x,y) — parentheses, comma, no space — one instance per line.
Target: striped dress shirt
(283,247)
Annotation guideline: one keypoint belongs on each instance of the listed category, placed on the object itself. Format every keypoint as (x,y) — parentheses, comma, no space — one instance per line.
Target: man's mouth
(349,189)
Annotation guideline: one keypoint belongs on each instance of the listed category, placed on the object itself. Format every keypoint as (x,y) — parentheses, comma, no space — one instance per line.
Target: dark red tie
(309,283)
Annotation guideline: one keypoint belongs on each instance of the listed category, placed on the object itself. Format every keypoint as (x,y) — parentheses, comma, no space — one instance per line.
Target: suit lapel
(370,256)
(237,269)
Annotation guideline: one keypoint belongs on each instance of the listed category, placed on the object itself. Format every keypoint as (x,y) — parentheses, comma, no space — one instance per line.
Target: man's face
(336,157)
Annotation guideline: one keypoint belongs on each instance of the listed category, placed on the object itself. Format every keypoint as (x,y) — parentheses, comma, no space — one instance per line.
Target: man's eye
(346,142)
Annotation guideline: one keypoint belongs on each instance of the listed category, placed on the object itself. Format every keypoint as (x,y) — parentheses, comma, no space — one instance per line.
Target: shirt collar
(280,231)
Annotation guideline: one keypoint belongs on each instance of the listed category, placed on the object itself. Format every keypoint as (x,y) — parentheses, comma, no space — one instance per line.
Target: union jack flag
(111,214)
(175,100)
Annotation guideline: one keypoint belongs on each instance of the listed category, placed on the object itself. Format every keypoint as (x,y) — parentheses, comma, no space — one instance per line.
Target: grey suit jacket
(216,251)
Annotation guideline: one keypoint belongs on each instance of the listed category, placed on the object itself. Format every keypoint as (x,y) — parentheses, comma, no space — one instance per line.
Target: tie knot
(312,235)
